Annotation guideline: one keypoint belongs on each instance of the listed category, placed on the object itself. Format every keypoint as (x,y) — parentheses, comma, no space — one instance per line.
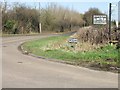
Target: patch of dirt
(98,66)
(104,67)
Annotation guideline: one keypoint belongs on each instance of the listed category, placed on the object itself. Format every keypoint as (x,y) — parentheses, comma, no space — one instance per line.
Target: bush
(9,24)
(96,35)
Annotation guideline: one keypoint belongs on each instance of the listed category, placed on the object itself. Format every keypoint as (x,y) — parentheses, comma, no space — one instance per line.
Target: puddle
(4,46)
(20,62)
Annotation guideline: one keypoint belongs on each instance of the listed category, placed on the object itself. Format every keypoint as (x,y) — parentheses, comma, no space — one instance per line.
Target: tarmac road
(23,71)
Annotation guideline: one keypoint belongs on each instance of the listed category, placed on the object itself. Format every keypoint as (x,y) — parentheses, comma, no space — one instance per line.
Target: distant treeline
(23,19)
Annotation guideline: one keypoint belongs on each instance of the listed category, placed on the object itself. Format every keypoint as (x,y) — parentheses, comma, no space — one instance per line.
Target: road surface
(23,71)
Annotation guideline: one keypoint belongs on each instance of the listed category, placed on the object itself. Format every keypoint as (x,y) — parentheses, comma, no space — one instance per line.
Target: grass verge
(104,58)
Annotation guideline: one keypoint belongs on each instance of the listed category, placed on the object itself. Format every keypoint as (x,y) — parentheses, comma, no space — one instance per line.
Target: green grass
(97,55)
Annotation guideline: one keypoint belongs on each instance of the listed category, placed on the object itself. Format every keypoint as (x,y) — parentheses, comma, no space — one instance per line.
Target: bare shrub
(96,35)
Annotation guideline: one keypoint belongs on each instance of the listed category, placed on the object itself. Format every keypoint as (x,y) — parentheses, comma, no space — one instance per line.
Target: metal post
(110,21)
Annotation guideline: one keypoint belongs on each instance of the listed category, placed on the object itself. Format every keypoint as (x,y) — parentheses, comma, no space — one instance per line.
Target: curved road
(23,71)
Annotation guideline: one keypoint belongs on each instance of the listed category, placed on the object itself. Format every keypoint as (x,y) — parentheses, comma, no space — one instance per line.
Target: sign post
(99,19)
(110,21)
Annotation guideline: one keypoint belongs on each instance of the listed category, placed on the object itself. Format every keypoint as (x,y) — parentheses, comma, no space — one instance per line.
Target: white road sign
(99,19)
